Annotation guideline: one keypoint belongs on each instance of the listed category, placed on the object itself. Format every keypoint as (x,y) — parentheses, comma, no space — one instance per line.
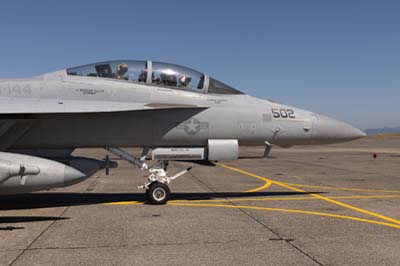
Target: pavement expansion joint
(38,237)
(130,245)
(280,237)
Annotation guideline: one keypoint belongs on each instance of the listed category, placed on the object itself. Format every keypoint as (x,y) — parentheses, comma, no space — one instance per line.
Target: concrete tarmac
(325,205)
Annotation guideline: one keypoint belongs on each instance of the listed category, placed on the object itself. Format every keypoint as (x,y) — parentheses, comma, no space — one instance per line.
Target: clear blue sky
(339,58)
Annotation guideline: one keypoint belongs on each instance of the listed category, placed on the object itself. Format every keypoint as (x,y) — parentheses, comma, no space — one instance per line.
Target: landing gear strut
(156,186)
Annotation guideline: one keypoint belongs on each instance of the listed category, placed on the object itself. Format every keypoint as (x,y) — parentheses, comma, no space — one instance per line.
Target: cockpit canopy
(154,74)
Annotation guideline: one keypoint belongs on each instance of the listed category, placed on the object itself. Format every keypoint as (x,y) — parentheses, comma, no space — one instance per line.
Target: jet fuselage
(250,120)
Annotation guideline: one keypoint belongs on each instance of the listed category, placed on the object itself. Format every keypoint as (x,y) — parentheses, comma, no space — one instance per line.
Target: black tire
(158,193)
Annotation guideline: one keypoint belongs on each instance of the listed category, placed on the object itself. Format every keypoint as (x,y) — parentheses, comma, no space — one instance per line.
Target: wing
(12,129)
(18,115)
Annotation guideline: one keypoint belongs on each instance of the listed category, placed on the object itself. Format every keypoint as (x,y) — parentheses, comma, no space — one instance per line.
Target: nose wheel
(158,193)
(157,190)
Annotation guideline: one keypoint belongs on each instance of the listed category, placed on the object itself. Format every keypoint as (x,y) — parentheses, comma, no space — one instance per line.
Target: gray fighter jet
(177,112)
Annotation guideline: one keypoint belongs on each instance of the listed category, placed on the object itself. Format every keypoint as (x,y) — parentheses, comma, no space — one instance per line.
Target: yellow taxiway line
(287,211)
(267,183)
(285,198)
(390,222)
(259,199)
(281,184)
(343,188)
(188,204)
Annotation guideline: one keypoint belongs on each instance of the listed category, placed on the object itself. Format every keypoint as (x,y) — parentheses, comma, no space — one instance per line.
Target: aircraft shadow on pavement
(48,200)
(28,219)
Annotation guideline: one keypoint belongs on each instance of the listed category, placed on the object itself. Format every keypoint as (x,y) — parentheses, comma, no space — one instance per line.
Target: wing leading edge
(50,106)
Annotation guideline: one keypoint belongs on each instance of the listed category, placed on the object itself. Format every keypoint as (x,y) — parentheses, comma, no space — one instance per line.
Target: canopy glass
(162,74)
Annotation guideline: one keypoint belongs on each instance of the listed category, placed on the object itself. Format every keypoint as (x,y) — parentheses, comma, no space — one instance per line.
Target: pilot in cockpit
(121,71)
(184,81)
(142,76)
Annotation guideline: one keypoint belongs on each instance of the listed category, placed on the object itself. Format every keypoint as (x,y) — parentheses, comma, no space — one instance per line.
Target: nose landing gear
(157,190)
(156,186)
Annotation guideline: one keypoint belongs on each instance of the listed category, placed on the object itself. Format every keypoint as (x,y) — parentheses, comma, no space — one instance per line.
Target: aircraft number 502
(283,113)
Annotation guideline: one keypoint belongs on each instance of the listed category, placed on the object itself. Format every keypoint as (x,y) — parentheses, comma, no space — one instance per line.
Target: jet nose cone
(72,176)
(330,130)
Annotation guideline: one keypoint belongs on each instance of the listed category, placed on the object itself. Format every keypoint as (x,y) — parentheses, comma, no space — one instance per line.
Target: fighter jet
(176,112)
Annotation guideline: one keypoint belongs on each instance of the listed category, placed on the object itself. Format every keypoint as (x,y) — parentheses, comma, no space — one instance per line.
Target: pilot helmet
(122,68)
(184,81)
